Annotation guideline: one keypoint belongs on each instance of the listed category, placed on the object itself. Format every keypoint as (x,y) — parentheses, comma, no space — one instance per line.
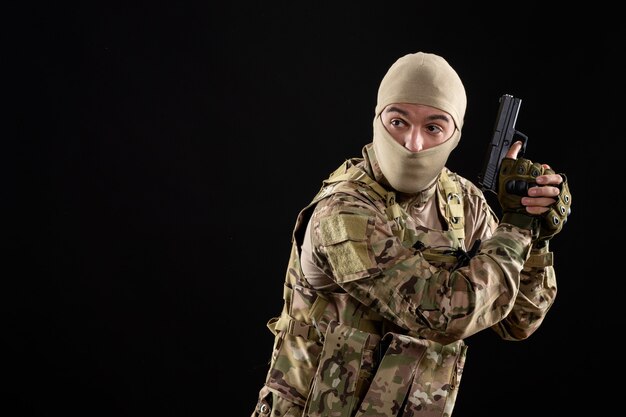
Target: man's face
(417,127)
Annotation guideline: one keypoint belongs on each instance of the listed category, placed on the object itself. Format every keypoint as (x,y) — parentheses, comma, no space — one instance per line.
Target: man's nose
(414,141)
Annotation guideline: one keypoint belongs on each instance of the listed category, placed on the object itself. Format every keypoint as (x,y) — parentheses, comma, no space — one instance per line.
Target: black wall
(158,157)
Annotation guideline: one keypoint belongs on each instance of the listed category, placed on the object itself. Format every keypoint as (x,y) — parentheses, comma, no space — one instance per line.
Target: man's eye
(434,129)
(396,122)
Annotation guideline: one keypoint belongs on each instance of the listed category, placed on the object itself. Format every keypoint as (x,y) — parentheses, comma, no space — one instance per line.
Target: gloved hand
(515,178)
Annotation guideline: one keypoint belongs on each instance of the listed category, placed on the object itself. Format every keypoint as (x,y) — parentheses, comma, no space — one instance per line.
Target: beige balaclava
(419,78)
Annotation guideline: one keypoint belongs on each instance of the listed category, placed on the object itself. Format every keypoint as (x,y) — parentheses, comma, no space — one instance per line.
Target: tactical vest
(334,356)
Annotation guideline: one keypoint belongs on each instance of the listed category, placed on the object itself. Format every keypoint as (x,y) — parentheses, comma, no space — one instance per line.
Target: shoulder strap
(453,199)
(449,188)
(349,172)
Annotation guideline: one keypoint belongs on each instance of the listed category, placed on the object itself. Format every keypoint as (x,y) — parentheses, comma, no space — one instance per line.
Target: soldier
(397,259)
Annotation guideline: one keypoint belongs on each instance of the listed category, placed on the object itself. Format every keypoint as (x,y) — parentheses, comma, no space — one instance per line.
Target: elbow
(518,326)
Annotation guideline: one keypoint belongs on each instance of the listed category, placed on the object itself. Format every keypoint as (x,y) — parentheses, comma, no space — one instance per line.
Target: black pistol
(504,135)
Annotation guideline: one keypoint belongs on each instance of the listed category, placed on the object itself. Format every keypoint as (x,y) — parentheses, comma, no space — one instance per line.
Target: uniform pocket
(345,367)
(416,377)
(293,366)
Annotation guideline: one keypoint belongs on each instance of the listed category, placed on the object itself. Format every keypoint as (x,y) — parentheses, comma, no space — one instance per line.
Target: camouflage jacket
(397,281)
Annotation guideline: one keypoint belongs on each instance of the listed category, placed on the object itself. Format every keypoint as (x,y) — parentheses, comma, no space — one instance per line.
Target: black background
(161,154)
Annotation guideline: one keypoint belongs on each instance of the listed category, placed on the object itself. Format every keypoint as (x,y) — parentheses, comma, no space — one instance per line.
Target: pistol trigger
(524,140)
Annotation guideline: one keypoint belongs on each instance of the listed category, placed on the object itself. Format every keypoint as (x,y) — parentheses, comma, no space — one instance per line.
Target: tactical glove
(515,177)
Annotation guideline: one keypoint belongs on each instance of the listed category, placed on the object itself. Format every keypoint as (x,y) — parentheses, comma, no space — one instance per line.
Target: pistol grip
(519,187)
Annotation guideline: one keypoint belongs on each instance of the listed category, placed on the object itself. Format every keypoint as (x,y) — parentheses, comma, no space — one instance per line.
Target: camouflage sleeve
(536,295)
(537,289)
(354,243)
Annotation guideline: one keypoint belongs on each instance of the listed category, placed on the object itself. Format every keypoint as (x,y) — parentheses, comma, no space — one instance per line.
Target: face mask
(406,171)
(418,78)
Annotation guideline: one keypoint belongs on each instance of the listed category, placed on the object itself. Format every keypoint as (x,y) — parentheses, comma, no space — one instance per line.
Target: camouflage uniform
(383,334)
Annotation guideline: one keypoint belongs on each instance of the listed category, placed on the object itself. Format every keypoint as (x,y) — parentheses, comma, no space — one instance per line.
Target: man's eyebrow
(439,117)
(443,117)
(397,110)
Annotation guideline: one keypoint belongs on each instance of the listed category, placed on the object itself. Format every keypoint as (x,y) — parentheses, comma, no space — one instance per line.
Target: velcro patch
(345,239)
